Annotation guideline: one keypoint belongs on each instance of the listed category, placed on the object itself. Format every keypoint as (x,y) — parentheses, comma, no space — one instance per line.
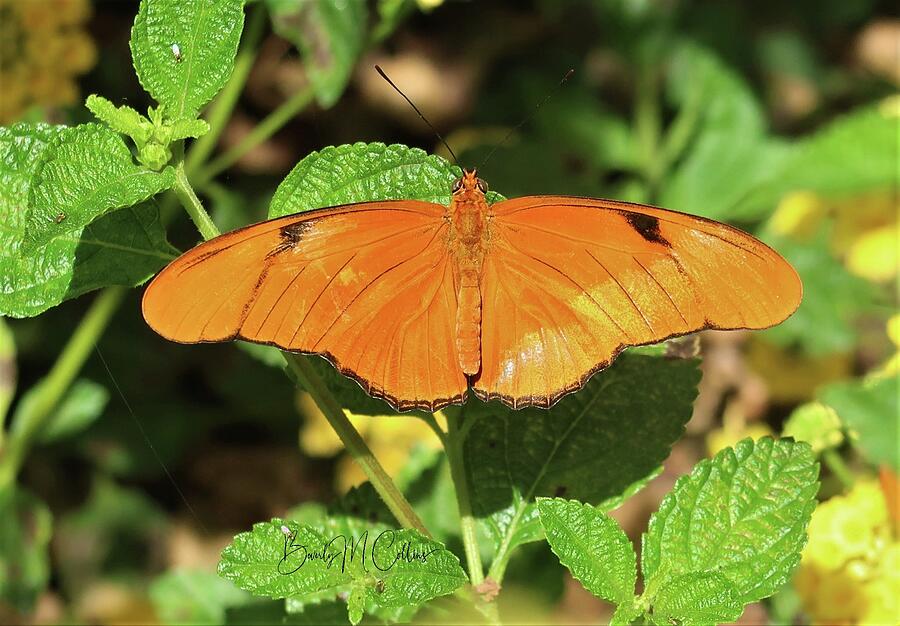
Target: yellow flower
(798,215)
(849,570)
(43,47)
(391,437)
(734,428)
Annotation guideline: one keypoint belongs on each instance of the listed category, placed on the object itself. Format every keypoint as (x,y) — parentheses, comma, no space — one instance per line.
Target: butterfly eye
(482,186)
(457,185)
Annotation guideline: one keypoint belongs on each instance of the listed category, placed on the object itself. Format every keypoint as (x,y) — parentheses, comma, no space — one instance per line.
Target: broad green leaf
(329,35)
(361,172)
(870,409)
(592,546)
(82,404)
(7,368)
(122,119)
(742,514)
(816,424)
(25,529)
(852,154)
(697,599)
(832,299)
(184,52)
(194,597)
(396,568)
(123,248)
(729,154)
(592,446)
(87,172)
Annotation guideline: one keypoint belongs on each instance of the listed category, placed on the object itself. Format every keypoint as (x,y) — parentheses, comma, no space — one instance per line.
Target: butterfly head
(469,183)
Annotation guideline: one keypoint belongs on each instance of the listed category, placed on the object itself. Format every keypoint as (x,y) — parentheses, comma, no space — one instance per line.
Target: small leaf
(742,514)
(282,559)
(122,119)
(194,597)
(330,36)
(695,599)
(86,172)
(591,446)
(123,248)
(25,530)
(816,424)
(205,36)
(182,129)
(82,404)
(362,172)
(356,603)
(870,410)
(592,546)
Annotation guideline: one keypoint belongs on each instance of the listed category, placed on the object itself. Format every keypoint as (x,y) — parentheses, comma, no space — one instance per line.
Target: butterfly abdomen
(468,322)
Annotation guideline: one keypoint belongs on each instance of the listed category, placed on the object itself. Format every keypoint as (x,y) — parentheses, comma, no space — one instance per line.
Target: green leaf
(122,119)
(194,597)
(742,514)
(592,446)
(816,424)
(852,154)
(361,172)
(592,546)
(82,404)
(833,299)
(390,14)
(25,530)
(85,173)
(281,559)
(122,248)
(205,36)
(329,35)
(182,129)
(729,154)
(697,598)
(870,409)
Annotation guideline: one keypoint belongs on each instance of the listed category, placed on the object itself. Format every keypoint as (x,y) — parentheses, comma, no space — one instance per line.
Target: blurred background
(778,117)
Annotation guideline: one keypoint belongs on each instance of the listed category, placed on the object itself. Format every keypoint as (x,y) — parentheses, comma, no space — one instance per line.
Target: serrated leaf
(870,409)
(697,599)
(729,155)
(282,559)
(361,172)
(122,119)
(86,172)
(194,597)
(123,248)
(82,404)
(25,530)
(182,129)
(205,36)
(592,546)
(329,35)
(742,514)
(591,446)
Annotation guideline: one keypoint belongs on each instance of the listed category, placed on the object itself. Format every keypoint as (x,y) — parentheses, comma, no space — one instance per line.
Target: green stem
(192,204)
(837,466)
(33,417)
(265,129)
(355,444)
(454,448)
(224,103)
(317,390)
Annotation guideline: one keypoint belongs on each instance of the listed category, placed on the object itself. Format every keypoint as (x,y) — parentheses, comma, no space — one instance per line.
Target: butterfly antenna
(528,118)
(416,109)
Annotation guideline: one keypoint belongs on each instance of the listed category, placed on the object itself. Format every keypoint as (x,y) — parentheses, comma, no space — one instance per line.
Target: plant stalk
(33,417)
(467,523)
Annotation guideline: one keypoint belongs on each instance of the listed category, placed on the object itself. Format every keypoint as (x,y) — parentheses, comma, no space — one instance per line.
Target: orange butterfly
(522,300)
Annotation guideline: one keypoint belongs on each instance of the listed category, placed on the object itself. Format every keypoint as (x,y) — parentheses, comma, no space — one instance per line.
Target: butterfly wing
(368,286)
(569,282)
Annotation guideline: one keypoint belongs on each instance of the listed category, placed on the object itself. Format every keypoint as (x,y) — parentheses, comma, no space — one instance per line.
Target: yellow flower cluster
(850,570)
(43,47)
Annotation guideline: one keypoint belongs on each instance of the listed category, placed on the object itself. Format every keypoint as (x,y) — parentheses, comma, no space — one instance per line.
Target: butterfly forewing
(569,282)
(368,286)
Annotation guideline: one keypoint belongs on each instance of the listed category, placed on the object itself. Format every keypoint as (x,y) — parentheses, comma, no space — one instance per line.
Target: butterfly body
(521,300)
